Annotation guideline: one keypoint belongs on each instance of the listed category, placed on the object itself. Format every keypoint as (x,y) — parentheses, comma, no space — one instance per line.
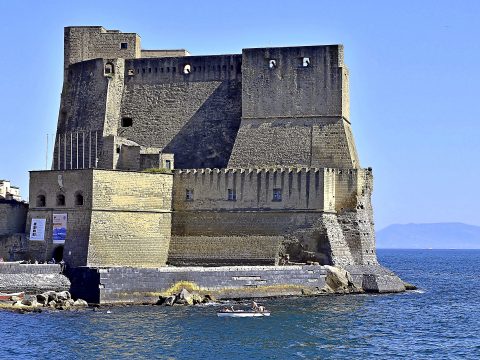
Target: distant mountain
(426,236)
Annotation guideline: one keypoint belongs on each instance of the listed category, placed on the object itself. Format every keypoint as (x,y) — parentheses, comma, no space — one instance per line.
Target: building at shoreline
(255,155)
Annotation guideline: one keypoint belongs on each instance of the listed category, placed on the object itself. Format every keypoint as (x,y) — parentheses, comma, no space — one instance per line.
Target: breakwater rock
(61,300)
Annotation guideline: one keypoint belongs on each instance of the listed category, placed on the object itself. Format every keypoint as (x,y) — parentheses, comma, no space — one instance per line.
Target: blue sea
(439,321)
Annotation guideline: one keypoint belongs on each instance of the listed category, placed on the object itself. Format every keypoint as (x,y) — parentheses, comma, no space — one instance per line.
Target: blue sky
(414,78)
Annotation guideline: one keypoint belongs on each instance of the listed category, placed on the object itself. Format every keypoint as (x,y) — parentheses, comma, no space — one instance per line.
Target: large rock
(338,279)
(80,303)
(185,297)
(63,295)
(169,301)
(42,299)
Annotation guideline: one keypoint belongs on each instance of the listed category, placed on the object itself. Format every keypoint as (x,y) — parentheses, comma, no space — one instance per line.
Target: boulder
(161,300)
(80,303)
(208,298)
(26,302)
(52,304)
(169,301)
(42,299)
(197,299)
(52,296)
(64,295)
(338,279)
(185,297)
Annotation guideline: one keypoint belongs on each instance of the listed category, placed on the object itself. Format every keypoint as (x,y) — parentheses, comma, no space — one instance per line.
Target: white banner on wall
(59,228)
(37,230)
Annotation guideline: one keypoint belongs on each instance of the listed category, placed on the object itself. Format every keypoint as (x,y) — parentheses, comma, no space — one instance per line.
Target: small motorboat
(7,297)
(242,313)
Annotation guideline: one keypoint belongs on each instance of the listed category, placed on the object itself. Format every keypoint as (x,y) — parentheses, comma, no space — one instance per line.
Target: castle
(162,158)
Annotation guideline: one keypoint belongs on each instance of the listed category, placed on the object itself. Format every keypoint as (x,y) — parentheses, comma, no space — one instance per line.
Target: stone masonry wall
(293,115)
(91,42)
(67,183)
(224,250)
(12,217)
(195,116)
(131,219)
(134,285)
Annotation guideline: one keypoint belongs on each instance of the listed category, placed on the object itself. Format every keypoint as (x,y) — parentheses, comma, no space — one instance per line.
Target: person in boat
(254,306)
(261,309)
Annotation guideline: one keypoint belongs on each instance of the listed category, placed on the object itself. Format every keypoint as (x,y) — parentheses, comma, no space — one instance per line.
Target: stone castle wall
(12,216)
(125,218)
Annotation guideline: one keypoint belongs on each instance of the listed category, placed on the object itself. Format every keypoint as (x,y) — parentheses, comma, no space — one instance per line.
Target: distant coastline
(435,236)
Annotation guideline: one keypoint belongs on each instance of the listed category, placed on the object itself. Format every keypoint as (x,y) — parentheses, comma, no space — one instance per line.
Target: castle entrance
(58,253)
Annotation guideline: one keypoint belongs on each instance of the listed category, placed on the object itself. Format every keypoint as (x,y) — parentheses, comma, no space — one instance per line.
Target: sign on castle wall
(59,233)
(37,230)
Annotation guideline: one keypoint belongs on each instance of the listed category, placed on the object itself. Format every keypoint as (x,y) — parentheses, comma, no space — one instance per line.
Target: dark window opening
(168,164)
(143,70)
(277,194)
(189,194)
(224,67)
(232,195)
(168,68)
(60,200)
(109,68)
(123,46)
(118,149)
(161,70)
(174,69)
(305,61)
(127,122)
(78,199)
(149,70)
(272,64)
(41,201)
(231,67)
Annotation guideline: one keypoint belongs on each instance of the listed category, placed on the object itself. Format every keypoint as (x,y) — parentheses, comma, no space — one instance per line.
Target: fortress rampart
(163,158)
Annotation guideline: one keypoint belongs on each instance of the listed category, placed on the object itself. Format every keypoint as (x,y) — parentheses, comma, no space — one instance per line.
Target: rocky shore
(48,300)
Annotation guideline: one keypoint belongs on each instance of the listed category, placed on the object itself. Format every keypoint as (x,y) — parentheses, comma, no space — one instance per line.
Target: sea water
(441,320)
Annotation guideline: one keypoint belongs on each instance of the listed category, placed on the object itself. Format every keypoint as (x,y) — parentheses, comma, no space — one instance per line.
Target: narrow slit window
(189,194)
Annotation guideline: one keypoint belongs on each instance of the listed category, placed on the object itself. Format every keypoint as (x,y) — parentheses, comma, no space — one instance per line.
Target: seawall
(144,285)
(32,278)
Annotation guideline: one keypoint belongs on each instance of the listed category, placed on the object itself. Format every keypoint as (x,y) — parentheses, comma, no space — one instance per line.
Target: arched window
(41,201)
(109,68)
(78,199)
(60,200)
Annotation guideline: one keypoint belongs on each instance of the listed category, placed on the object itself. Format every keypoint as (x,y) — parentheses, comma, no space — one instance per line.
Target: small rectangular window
(168,164)
(232,195)
(127,122)
(123,46)
(189,194)
(277,194)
